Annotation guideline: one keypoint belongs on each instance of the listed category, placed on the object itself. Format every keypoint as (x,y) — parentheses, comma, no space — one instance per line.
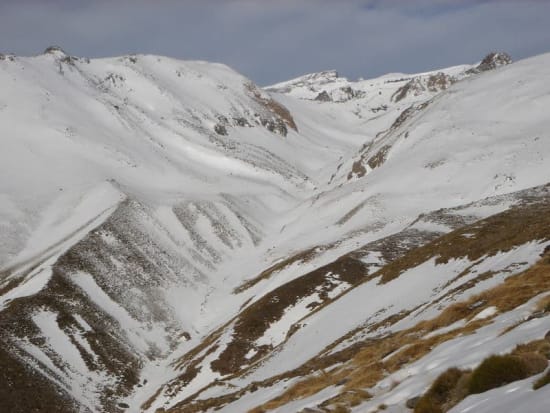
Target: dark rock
(379,108)
(416,86)
(275,126)
(53,50)
(220,129)
(491,61)
(439,81)
(494,60)
(351,93)
(547,336)
(538,314)
(70,60)
(323,97)
(412,402)
(241,122)
(342,382)
(123,406)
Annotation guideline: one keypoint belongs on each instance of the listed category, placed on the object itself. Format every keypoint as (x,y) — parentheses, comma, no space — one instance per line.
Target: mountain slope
(179,239)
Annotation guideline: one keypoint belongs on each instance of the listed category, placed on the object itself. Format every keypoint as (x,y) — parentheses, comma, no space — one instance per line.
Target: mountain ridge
(197,242)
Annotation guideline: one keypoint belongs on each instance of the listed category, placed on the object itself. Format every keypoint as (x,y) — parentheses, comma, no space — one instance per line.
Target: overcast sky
(274,40)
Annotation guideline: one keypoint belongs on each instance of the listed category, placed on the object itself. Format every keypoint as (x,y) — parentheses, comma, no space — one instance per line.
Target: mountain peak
(494,60)
(55,50)
(163,249)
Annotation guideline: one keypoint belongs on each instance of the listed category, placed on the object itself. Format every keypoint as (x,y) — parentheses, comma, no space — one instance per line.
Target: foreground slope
(195,242)
(460,147)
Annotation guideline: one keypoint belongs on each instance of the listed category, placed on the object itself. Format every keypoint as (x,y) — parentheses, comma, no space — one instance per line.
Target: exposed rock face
(412,402)
(418,85)
(310,80)
(211,265)
(323,97)
(54,50)
(274,116)
(491,62)
(494,60)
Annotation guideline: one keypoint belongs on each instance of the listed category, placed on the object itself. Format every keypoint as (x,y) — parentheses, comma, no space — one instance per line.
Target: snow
(30,286)
(312,401)
(514,397)
(278,330)
(451,327)
(485,313)
(463,352)
(139,335)
(360,304)
(135,135)
(76,376)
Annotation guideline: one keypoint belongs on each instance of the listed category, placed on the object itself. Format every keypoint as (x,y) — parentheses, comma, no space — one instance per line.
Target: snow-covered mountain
(176,238)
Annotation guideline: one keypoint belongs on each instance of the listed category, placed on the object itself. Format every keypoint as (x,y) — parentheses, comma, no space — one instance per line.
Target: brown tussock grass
(363,366)
(366,368)
(498,233)
(271,105)
(301,257)
(454,385)
(254,320)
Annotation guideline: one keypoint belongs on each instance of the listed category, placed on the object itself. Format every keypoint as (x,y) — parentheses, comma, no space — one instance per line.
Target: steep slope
(135,187)
(179,239)
(367,211)
(129,183)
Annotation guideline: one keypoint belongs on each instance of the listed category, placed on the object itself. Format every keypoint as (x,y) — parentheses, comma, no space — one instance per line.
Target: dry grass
(498,233)
(365,368)
(299,258)
(499,370)
(544,304)
(543,381)
(379,157)
(271,105)
(536,346)
(443,392)
(300,390)
(253,321)
(357,169)
(454,385)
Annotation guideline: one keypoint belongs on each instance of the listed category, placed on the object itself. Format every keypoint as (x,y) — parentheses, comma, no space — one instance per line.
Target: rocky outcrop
(491,62)
(417,86)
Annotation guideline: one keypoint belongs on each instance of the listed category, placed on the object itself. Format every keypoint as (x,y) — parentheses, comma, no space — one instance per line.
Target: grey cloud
(274,40)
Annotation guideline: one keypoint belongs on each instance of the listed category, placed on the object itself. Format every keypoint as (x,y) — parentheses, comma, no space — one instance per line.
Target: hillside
(178,239)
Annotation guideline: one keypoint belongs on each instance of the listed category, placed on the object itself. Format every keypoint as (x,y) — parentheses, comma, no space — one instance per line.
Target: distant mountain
(178,239)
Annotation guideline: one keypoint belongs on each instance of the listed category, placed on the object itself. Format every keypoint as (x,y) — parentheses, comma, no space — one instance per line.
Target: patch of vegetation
(256,319)
(454,385)
(364,368)
(496,371)
(298,258)
(446,391)
(379,158)
(544,304)
(366,362)
(498,233)
(274,107)
(543,381)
